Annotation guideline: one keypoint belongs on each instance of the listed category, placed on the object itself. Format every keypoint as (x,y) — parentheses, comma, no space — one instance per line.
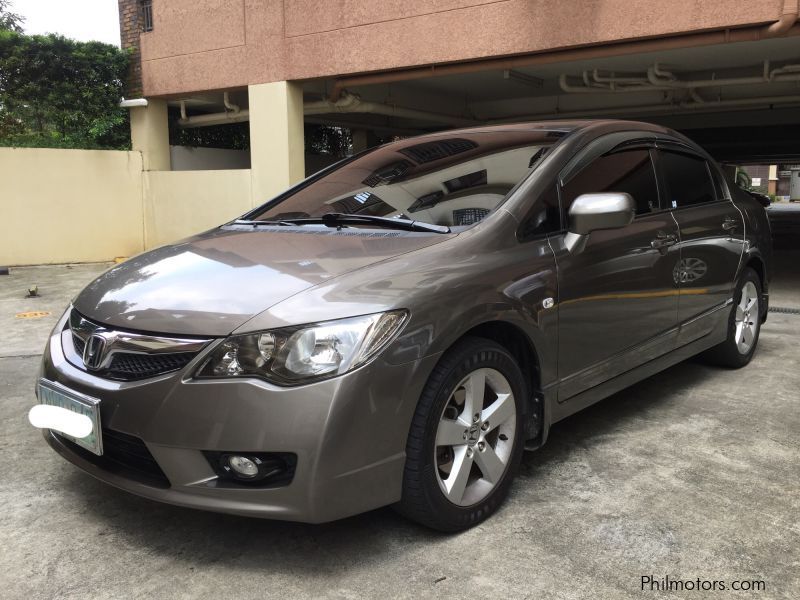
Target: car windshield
(447,180)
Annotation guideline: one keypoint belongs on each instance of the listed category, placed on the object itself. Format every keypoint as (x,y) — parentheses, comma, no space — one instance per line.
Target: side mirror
(591,212)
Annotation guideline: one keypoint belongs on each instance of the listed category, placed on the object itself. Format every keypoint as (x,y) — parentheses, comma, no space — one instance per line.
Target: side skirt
(612,386)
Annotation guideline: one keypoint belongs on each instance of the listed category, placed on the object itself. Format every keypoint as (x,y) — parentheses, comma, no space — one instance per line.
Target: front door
(617,298)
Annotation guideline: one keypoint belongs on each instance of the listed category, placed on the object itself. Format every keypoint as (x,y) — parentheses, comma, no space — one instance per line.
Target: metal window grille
(146,14)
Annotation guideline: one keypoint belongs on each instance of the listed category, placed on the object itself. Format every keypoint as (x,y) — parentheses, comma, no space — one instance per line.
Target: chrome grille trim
(116,348)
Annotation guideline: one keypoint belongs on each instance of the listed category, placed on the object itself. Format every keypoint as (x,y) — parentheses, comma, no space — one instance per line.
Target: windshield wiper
(339,219)
(257,222)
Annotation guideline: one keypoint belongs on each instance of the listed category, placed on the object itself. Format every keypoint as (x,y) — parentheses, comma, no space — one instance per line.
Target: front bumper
(348,433)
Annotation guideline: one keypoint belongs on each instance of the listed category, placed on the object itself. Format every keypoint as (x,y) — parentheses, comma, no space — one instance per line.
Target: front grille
(124,455)
(128,355)
(139,366)
(79,344)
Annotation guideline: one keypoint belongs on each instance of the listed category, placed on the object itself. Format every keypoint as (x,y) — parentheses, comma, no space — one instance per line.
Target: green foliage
(743,179)
(234,136)
(9,21)
(60,93)
(328,140)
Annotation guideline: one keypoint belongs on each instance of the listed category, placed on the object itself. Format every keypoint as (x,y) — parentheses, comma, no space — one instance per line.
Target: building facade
(726,72)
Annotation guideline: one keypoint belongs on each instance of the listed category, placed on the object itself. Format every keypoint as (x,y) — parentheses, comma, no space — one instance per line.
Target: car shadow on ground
(202,538)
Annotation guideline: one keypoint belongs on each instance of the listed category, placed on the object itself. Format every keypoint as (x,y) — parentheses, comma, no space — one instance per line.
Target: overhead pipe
(708,106)
(789,16)
(563,82)
(347,104)
(235,115)
(624,48)
(616,78)
(658,79)
(352,103)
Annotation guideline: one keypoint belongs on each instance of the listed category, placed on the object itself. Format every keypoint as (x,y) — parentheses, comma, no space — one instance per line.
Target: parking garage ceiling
(741,99)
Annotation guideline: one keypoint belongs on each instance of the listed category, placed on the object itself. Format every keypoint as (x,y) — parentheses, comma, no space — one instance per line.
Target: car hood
(215,282)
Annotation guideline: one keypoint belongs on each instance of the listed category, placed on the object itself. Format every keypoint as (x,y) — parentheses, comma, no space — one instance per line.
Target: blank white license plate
(55,394)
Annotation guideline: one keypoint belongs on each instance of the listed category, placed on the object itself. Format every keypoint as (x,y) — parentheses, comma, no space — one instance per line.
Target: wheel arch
(522,348)
(756,262)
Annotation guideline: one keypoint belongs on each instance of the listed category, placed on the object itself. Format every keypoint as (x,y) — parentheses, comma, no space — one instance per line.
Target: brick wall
(129,29)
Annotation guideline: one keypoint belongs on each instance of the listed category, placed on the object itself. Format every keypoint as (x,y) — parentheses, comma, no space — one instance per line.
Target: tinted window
(630,171)
(452,181)
(545,217)
(687,178)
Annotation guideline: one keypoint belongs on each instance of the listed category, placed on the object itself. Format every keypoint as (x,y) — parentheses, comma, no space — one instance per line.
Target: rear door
(617,299)
(711,240)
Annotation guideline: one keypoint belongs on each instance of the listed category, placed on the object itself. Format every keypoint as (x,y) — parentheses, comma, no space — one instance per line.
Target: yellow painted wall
(63,206)
(59,206)
(178,204)
(277,154)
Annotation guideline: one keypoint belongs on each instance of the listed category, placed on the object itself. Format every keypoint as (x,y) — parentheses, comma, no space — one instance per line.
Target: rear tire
(744,325)
(466,437)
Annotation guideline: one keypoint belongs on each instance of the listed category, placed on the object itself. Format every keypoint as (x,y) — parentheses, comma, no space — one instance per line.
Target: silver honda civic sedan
(398,328)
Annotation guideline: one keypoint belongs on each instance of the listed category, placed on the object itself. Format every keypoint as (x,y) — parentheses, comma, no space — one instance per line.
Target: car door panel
(711,243)
(617,302)
(617,298)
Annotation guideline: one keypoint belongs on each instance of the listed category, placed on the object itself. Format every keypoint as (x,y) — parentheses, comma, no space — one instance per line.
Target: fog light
(243,466)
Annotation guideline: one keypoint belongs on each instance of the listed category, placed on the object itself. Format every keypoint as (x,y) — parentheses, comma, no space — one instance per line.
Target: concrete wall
(62,206)
(218,44)
(186,158)
(69,205)
(178,204)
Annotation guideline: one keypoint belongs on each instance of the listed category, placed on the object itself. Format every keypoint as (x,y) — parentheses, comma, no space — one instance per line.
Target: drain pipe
(232,114)
(234,108)
(789,16)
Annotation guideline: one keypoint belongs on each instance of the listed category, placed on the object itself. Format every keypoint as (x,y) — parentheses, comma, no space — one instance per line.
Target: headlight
(296,355)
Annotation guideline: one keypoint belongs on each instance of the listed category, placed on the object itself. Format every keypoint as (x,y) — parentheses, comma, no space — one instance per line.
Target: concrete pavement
(692,473)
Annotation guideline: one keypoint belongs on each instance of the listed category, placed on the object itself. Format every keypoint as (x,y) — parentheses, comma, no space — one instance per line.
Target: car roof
(570,126)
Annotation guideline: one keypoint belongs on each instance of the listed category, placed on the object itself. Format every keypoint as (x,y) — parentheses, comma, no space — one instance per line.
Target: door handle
(663,241)
(729,224)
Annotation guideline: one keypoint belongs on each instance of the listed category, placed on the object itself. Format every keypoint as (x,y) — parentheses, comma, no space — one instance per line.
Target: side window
(688,180)
(545,217)
(629,171)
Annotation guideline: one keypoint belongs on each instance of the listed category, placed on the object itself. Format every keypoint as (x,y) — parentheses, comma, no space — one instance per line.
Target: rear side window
(688,180)
(629,171)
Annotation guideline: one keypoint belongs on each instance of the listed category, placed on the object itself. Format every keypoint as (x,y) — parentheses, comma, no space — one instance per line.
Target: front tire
(466,437)
(744,325)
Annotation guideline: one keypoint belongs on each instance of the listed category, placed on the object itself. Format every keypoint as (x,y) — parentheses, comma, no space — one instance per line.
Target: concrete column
(363,139)
(150,134)
(277,148)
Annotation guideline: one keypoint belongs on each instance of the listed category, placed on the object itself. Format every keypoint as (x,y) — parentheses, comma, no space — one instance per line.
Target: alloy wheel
(475,437)
(747,318)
